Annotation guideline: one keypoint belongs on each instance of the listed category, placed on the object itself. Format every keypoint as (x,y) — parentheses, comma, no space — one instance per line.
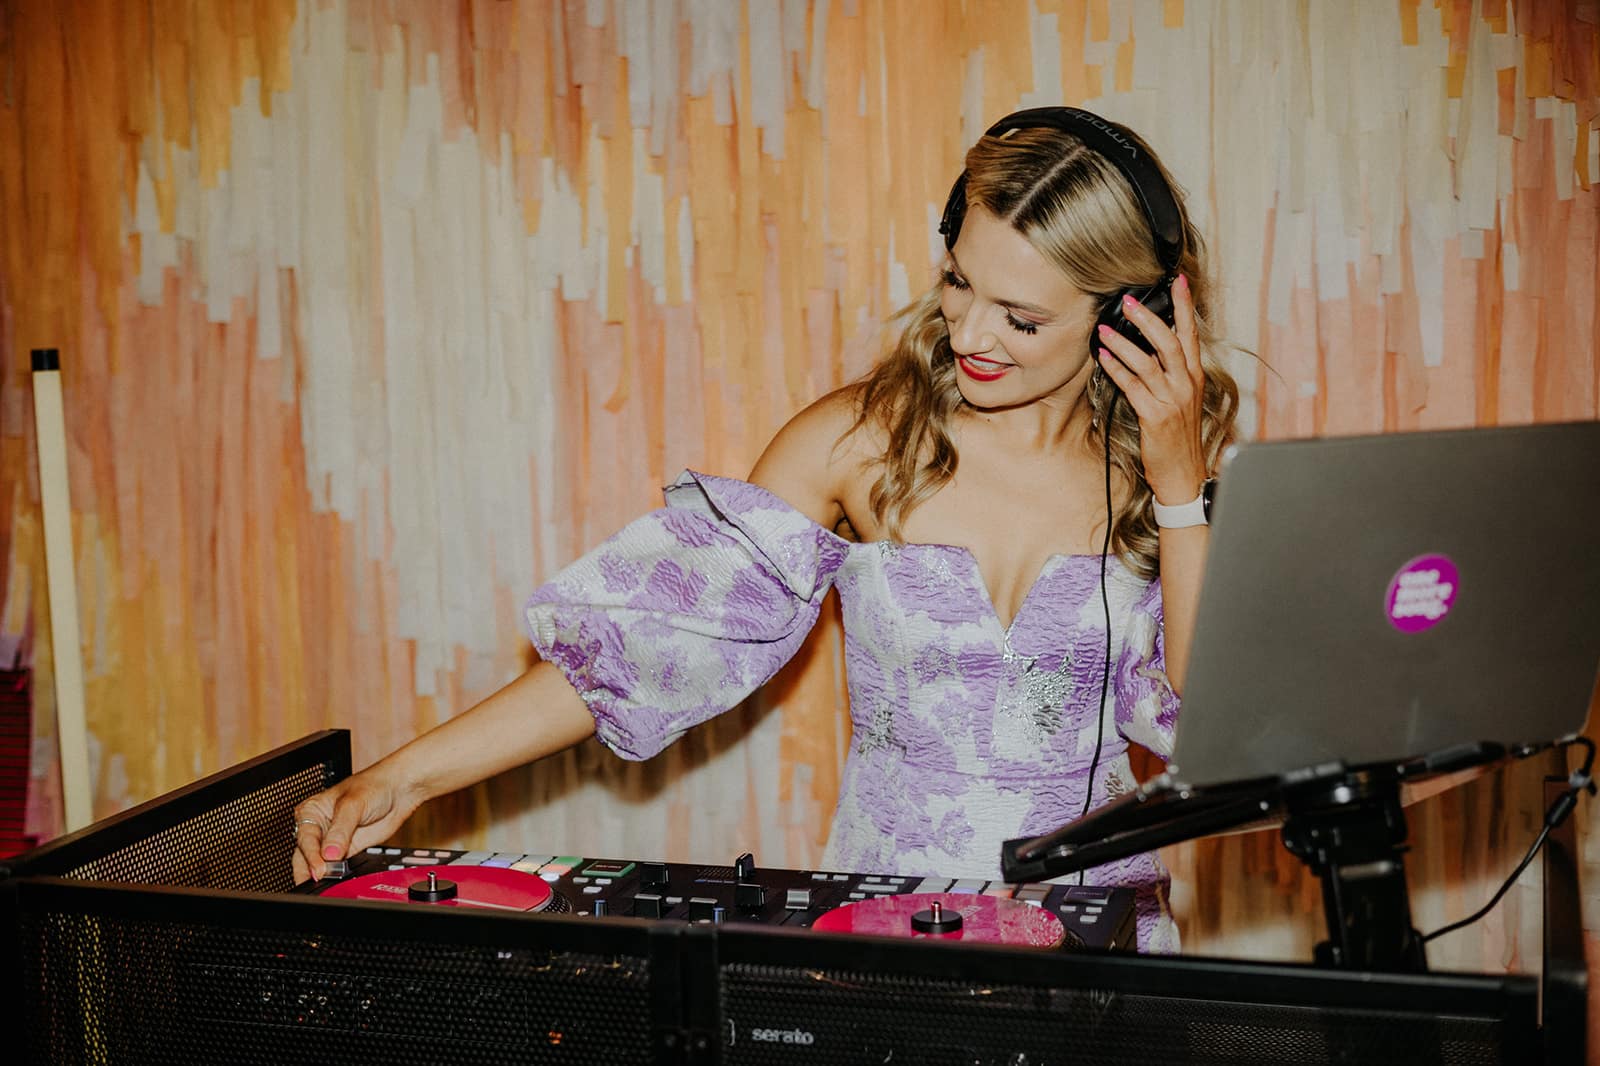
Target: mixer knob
(749,897)
(701,909)
(797,899)
(653,873)
(647,905)
(600,908)
(744,867)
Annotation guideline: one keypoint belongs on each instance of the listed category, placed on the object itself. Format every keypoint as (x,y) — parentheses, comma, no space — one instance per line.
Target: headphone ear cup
(1157,299)
(955,210)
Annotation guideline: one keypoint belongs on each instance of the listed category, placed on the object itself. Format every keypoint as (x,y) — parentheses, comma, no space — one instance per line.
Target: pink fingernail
(1183,282)
(331,851)
(1129,301)
(1105,354)
(1105,331)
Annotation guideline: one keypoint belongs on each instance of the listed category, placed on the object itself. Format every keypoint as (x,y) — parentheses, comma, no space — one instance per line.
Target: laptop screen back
(1369,599)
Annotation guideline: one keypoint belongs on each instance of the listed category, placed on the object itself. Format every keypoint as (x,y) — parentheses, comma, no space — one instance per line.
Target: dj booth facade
(170,934)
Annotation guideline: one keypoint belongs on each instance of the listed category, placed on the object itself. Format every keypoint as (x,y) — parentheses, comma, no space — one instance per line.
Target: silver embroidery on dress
(880,730)
(1031,701)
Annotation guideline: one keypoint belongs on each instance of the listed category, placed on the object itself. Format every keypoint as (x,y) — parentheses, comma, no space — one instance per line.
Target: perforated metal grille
(778,1015)
(245,844)
(137,991)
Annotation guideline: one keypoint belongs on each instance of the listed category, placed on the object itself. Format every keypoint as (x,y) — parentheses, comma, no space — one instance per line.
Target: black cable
(1105,604)
(1579,781)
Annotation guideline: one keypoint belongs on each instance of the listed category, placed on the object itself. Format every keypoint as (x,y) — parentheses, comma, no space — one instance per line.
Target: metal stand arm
(1351,834)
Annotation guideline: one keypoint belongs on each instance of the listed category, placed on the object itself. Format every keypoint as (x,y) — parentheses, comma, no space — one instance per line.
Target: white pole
(72,734)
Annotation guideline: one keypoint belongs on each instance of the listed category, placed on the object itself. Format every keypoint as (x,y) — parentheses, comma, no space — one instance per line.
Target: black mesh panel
(120,990)
(245,844)
(780,1015)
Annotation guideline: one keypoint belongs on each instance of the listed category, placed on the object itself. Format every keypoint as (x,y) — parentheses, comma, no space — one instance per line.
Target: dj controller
(1050,916)
(162,936)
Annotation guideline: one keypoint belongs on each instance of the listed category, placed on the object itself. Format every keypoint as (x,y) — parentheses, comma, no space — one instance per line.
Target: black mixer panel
(1090,916)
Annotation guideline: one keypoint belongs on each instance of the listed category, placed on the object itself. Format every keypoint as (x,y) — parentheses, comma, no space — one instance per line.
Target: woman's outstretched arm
(538,714)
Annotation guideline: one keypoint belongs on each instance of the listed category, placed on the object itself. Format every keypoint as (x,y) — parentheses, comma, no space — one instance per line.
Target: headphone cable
(1105,605)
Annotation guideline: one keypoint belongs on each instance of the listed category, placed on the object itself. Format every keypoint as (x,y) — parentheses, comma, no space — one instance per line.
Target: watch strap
(1179,516)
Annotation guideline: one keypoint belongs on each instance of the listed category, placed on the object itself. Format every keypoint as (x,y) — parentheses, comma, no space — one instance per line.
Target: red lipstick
(980,370)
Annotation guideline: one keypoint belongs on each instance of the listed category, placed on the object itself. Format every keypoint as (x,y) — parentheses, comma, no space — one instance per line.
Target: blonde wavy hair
(1080,213)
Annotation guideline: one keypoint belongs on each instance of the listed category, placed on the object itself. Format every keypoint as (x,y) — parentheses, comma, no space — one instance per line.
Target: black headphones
(1150,188)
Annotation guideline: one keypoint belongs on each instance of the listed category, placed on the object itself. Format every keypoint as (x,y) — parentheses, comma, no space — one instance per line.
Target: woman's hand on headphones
(1166,391)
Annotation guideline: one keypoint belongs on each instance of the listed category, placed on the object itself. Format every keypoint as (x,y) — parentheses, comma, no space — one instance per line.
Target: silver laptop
(1377,599)
(1420,601)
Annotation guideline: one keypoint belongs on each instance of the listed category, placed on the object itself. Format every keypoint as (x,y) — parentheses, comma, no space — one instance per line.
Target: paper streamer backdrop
(373,313)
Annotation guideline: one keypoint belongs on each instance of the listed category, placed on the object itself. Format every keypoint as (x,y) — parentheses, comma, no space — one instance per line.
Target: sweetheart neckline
(983,582)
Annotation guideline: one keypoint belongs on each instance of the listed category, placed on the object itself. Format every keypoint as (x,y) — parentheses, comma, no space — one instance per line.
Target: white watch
(1197,512)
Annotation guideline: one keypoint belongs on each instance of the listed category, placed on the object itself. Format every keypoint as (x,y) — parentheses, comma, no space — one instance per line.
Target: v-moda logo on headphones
(1109,130)
(1421,593)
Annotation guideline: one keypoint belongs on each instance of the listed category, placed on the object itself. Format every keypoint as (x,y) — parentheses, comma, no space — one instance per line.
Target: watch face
(1207,491)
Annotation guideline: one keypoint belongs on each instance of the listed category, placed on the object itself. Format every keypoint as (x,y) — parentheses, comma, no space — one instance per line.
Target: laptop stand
(1347,826)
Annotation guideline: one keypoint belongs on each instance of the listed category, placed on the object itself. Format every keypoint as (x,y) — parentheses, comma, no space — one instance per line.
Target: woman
(994,503)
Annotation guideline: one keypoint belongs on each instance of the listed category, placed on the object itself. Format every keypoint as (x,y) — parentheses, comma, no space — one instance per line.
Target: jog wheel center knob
(936,919)
(432,890)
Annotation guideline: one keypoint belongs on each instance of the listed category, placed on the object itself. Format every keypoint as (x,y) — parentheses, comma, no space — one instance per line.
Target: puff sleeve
(685,611)
(1146,705)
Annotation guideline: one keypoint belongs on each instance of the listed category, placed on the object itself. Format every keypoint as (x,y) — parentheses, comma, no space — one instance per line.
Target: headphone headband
(1113,143)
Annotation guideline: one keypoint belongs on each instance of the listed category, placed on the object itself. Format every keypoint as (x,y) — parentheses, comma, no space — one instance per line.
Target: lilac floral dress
(965,733)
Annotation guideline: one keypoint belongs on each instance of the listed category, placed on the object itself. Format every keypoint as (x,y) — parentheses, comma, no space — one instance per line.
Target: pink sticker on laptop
(1422,593)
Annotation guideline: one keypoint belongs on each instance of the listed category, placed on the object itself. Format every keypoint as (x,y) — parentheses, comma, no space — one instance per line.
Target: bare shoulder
(814,459)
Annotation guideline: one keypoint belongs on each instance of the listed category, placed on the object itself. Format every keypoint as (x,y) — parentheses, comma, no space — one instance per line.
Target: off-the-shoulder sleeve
(1147,708)
(685,611)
